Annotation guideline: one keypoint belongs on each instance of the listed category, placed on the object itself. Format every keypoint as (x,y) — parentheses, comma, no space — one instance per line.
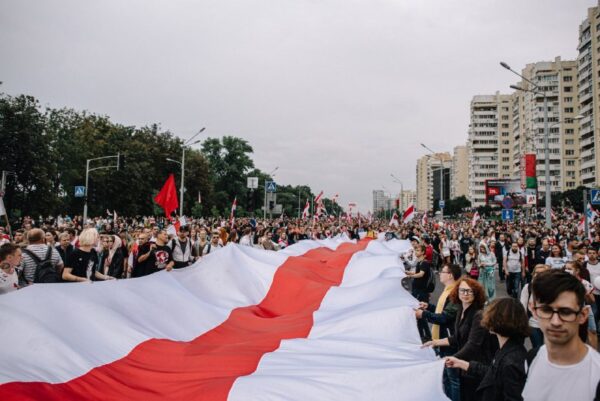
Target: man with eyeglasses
(564,368)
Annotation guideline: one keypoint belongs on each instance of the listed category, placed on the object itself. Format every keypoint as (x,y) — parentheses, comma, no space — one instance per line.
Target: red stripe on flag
(206,367)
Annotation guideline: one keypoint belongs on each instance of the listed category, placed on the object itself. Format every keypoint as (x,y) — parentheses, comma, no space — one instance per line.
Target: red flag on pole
(167,197)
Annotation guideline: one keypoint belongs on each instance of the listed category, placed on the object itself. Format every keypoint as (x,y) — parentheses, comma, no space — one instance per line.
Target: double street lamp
(182,165)
(536,90)
(398,181)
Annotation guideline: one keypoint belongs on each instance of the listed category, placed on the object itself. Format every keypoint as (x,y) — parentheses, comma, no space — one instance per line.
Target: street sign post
(271,186)
(508,214)
(252,182)
(79,192)
(507,202)
(442,204)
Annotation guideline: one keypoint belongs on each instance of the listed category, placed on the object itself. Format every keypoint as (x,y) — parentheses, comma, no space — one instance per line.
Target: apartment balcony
(585,109)
(589,140)
(588,163)
(586,96)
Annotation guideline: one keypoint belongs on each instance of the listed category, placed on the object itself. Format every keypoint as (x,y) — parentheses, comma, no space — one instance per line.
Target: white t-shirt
(549,382)
(8,282)
(556,263)
(594,272)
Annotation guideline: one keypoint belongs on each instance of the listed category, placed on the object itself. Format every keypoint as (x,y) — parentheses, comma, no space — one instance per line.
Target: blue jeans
(422,324)
(513,284)
(451,378)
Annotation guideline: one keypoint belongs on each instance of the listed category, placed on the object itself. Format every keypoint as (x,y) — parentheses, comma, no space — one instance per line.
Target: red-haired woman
(471,339)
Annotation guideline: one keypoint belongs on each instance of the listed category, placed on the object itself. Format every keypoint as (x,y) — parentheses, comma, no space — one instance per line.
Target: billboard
(498,190)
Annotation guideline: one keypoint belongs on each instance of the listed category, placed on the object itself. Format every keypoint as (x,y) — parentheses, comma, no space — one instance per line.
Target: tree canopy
(46,151)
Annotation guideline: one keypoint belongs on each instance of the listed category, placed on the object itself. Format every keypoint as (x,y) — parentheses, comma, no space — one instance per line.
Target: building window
(568,89)
(567,99)
(567,78)
(569,152)
(569,131)
(505,151)
(568,109)
(569,141)
(570,163)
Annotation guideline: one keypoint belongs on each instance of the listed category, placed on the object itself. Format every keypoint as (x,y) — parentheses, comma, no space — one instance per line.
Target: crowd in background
(551,277)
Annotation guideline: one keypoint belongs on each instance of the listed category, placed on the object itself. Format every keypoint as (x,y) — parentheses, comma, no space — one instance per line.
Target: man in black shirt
(465,242)
(420,291)
(156,256)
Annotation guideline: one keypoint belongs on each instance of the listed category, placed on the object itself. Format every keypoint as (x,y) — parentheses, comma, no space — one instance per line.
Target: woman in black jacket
(504,379)
(472,340)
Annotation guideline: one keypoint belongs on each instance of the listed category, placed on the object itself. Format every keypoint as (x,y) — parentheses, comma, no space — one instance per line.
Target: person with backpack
(41,263)
(182,249)
(83,264)
(564,368)
(423,284)
(514,269)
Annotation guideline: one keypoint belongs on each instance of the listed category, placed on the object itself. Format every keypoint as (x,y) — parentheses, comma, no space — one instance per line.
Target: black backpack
(45,272)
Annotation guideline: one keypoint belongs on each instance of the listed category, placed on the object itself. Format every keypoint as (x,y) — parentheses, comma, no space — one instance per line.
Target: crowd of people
(551,277)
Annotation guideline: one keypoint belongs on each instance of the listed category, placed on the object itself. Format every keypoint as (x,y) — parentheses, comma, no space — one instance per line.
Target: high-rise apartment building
(460,172)
(381,201)
(587,97)
(558,81)
(431,170)
(489,145)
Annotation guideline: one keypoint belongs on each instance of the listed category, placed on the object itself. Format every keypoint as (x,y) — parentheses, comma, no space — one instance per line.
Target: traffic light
(271,205)
(120,161)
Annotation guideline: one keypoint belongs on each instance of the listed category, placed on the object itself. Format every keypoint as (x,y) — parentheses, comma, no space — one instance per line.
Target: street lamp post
(396,180)
(182,164)
(271,174)
(538,91)
(87,176)
(441,177)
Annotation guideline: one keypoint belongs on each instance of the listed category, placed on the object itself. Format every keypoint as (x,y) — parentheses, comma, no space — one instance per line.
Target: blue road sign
(507,202)
(79,192)
(442,204)
(271,186)
(595,196)
(508,214)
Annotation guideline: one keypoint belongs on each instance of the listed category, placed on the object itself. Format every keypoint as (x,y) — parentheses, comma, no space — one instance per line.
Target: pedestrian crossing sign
(595,195)
(271,186)
(79,192)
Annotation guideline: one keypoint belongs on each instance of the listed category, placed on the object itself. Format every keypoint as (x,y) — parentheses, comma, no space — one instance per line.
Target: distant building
(429,176)
(460,172)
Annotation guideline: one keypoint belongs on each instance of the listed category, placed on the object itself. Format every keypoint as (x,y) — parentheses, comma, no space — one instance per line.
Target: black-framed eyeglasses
(546,312)
(465,291)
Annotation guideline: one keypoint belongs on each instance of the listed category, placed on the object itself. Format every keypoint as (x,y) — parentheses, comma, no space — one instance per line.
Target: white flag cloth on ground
(320,320)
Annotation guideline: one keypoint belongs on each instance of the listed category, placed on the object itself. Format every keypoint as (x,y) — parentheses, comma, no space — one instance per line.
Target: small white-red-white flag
(232,215)
(475,219)
(409,213)
(424,219)
(394,220)
(318,197)
(306,211)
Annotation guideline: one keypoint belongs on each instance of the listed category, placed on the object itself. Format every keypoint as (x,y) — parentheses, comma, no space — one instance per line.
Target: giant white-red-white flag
(408,214)
(241,324)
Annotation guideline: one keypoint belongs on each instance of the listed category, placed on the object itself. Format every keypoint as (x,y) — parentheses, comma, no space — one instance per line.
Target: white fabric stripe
(364,343)
(56,332)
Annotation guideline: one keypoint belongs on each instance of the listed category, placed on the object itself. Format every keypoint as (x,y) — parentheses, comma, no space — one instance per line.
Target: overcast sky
(337,93)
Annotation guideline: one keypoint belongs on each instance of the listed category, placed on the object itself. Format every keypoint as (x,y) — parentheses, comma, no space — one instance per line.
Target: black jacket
(473,341)
(504,379)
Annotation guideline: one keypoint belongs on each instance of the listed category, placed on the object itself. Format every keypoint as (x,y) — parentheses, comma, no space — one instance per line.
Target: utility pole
(87,176)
